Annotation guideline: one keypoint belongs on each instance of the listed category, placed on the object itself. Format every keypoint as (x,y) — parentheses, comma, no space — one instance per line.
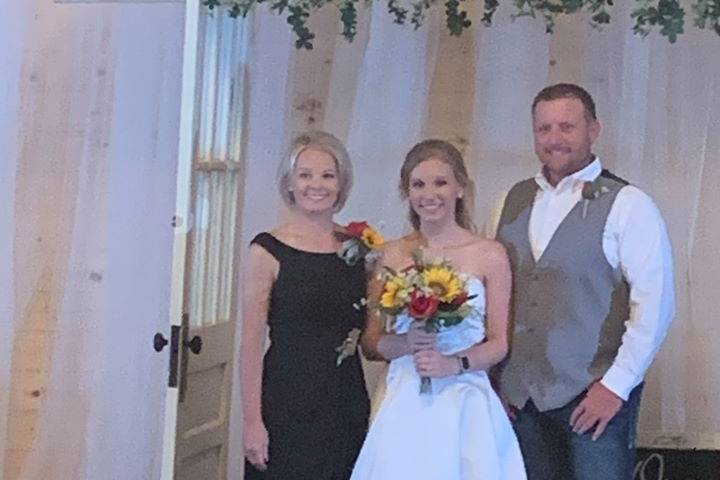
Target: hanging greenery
(666,15)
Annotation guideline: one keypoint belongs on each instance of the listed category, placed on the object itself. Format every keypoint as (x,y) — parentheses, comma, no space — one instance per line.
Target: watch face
(465,363)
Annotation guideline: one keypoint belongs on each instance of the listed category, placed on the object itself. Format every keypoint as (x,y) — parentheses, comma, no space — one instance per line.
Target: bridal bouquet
(429,292)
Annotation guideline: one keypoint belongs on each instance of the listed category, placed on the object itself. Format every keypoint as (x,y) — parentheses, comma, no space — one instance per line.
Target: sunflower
(443,282)
(372,238)
(393,291)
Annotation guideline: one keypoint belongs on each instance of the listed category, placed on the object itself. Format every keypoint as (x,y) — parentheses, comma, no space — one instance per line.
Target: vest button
(533,304)
(535,276)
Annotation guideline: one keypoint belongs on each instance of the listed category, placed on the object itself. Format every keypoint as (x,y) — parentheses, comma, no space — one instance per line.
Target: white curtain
(394,86)
(93,168)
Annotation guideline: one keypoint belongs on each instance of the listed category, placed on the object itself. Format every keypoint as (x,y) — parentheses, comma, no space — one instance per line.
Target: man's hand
(598,407)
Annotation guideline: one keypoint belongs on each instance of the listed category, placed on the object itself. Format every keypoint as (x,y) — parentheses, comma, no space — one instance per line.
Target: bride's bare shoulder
(396,253)
(483,256)
(488,246)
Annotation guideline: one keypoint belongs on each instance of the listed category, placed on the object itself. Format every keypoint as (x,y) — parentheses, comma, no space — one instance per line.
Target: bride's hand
(431,363)
(418,339)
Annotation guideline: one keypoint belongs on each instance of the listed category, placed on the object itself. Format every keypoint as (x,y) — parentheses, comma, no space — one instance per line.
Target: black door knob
(159,342)
(195,344)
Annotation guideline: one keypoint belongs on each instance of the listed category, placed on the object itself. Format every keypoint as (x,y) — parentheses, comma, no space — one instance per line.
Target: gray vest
(568,307)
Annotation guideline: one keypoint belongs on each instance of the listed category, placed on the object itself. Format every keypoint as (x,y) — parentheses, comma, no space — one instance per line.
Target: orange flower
(372,238)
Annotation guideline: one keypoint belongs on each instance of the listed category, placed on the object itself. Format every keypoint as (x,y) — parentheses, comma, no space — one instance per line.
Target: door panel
(203,414)
(211,260)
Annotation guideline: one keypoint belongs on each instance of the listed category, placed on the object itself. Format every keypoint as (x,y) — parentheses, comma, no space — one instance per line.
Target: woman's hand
(256,444)
(418,339)
(431,363)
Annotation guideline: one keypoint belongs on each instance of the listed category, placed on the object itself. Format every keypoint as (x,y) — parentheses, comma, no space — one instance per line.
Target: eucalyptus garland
(666,15)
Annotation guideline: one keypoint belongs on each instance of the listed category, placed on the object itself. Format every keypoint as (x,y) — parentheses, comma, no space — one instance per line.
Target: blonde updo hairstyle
(324,142)
(448,154)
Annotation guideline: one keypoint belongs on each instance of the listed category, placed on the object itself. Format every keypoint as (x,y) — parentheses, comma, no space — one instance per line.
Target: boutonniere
(349,346)
(360,241)
(591,191)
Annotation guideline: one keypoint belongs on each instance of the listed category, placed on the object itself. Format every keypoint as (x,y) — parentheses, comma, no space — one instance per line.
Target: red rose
(355,229)
(422,306)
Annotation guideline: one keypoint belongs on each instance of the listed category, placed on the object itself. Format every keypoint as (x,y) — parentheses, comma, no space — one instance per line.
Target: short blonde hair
(324,142)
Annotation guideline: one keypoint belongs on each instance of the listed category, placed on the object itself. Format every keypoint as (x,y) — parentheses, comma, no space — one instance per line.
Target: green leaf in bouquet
(449,319)
(465,310)
(446,307)
(432,325)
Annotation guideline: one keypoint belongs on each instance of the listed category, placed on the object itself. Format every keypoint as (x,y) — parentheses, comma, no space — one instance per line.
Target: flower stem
(425,386)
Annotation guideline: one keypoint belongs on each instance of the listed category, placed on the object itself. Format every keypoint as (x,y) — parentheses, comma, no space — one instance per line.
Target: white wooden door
(203,298)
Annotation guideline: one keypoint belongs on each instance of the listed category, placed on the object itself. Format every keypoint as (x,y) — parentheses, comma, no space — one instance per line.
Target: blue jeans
(553,452)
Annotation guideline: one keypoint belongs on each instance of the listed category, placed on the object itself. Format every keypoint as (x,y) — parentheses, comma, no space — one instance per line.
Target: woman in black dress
(305,416)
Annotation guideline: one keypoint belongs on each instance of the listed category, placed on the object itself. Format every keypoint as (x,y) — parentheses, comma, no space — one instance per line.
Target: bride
(460,431)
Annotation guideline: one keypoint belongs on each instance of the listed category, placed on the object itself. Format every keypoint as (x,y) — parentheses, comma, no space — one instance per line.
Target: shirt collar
(587,174)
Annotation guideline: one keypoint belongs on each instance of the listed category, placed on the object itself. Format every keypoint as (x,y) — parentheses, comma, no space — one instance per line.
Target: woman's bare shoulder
(488,247)
(482,256)
(397,253)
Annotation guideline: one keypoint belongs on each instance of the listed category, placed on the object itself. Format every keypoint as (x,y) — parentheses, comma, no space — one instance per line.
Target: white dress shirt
(634,238)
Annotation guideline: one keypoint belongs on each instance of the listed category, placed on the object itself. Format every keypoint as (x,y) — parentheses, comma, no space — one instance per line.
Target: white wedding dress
(458,432)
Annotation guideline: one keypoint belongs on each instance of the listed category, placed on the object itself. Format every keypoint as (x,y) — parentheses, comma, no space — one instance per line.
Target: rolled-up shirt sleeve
(641,248)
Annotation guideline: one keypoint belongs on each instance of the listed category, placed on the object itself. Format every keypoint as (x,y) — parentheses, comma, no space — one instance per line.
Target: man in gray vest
(593,297)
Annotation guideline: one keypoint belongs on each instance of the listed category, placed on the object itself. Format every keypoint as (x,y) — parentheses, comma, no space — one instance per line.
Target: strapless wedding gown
(458,432)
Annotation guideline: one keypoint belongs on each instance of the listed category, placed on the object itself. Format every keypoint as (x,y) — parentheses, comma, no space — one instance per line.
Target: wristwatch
(464,364)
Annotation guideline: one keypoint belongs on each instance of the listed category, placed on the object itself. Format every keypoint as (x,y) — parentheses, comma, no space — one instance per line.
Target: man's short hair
(566,90)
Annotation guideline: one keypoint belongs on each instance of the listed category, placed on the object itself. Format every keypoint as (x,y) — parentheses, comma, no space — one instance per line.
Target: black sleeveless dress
(316,412)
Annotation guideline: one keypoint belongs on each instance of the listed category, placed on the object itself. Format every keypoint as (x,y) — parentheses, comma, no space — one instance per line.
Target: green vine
(489,9)
(298,20)
(666,16)
(707,14)
(550,10)
(397,11)
(348,17)
(418,15)
(456,20)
